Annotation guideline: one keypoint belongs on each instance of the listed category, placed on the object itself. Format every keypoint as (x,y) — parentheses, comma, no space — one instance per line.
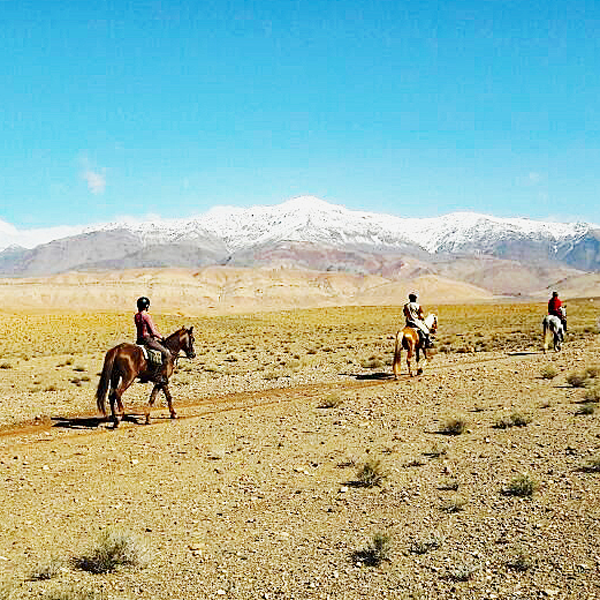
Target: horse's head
(188,342)
(182,340)
(431,322)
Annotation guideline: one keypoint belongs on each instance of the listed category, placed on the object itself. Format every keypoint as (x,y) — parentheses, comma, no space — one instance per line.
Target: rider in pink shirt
(147,333)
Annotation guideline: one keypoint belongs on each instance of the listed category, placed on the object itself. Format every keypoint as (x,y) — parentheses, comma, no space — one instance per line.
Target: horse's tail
(104,382)
(397,354)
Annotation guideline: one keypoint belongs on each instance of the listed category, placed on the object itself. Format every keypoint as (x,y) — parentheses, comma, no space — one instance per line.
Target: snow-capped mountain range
(305,231)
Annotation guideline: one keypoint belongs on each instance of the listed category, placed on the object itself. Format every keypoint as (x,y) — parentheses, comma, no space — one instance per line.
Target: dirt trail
(186,405)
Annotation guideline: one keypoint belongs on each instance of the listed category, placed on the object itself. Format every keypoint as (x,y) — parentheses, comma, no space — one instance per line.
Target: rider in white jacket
(413,312)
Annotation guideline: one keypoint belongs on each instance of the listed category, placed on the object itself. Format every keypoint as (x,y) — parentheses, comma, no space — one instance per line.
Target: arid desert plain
(298,467)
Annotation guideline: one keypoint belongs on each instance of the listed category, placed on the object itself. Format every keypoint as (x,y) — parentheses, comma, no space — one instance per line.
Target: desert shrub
(5,365)
(516,419)
(520,561)
(454,504)
(576,379)
(454,425)
(371,474)
(373,362)
(113,549)
(50,388)
(423,545)
(462,571)
(74,594)
(331,401)
(79,369)
(437,451)
(449,485)
(593,371)
(378,551)
(47,569)
(591,465)
(522,485)
(592,394)
(549,372)
(587,408)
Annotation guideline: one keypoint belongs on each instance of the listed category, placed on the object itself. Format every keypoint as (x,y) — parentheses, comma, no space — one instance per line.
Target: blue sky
(112,108)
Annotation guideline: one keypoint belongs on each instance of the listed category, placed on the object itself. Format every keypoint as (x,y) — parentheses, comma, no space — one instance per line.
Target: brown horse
(126,362)
(409,339)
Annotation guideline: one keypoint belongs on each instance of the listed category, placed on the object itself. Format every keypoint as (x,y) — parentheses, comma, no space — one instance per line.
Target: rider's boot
(161,371)
(428,342)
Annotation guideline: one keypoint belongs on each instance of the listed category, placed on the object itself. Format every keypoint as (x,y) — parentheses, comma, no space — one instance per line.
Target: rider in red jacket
(555,307)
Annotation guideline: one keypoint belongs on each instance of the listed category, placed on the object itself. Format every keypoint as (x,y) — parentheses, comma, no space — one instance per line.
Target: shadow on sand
(373,376)
(88,422)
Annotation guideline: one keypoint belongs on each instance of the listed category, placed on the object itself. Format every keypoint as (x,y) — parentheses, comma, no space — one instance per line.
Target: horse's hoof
(420,372)
(173,415)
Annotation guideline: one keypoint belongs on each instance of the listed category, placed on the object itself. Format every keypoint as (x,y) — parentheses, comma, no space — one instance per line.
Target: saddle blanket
(152,356)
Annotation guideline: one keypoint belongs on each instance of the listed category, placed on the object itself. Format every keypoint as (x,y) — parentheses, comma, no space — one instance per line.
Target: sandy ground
(253,492)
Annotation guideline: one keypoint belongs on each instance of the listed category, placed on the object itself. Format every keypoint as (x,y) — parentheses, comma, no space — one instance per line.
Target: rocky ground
(258,490)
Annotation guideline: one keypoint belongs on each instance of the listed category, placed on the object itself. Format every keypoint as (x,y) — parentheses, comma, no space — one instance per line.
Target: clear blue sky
(417,108)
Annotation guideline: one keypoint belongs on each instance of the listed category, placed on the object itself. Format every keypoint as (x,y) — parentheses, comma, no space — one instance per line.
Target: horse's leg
(545,337)
(126,381)
(169,398)
(397,355)
(153,395)
(419,365)
(409,356)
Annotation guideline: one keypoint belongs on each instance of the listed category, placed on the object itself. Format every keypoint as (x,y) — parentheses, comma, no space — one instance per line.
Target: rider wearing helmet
(413,312)
(556,308)
(147,333)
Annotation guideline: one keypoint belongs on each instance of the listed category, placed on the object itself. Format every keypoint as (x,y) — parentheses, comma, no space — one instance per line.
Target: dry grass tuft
(454,504)
(74,594)
(331,401)
(592,393)
(521,561)
(454,425)
(549,372)
(47,569)
(577,379)
(371,474)
(114,549)
(378,551)
(463,571)
(591,465)
(430,542)
(516,419)
(587,408)
(522,485)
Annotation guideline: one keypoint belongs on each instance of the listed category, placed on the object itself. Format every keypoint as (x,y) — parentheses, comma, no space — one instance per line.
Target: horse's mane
(430,319)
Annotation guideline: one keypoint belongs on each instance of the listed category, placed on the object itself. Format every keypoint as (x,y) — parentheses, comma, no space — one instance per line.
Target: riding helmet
(143,303)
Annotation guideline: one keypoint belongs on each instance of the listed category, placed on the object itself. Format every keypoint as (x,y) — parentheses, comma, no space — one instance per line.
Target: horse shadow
(373,376)
(88,422)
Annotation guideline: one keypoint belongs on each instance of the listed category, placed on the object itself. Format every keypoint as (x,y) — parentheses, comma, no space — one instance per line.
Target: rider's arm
(152,326)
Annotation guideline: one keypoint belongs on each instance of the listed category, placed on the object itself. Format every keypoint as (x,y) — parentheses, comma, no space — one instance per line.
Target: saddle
(154,357)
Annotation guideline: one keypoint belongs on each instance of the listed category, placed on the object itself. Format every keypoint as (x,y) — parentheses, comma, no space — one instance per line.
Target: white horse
(553,325)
